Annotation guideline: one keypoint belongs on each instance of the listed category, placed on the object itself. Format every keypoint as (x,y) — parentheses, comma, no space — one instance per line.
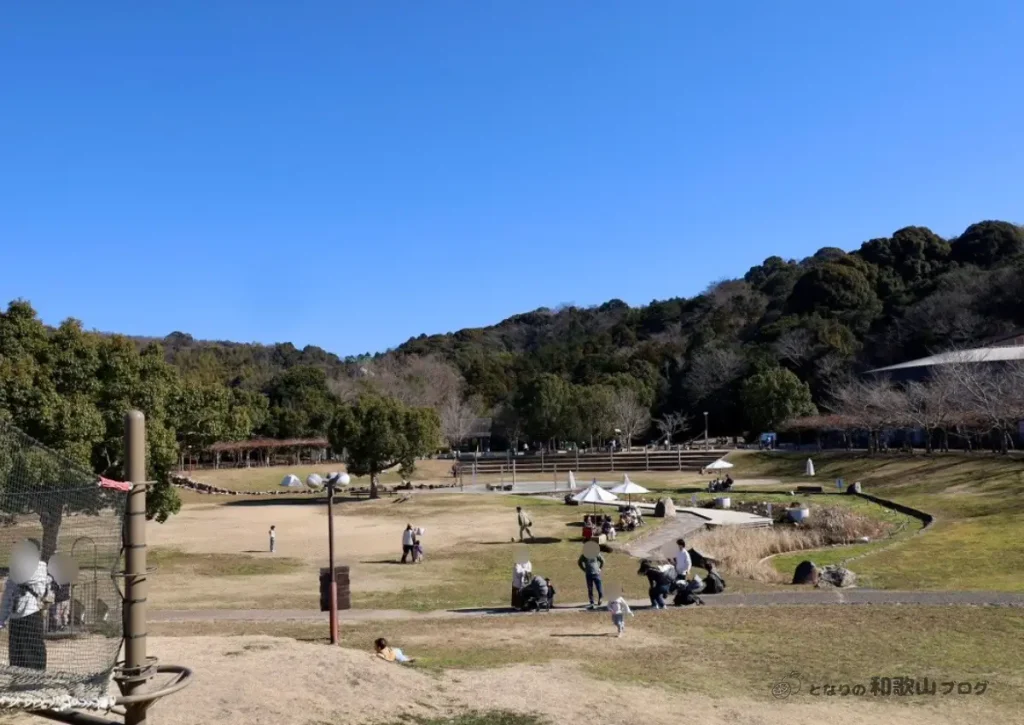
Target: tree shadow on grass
(536,540)
(385,561)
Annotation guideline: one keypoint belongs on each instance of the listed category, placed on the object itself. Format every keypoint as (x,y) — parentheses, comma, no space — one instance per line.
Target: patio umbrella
(718,465)
(595,494)
(572,481)
(629,488)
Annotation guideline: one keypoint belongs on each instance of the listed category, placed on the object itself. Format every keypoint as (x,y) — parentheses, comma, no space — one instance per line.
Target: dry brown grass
(742,552)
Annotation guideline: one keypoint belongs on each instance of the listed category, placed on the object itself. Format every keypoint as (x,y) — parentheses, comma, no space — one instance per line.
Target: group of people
(412,545)
(630,519)
(25,603)
(724,484)
(596,525)
(673,578)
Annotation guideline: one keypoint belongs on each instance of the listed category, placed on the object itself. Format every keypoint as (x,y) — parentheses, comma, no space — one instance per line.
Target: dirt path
(760,599)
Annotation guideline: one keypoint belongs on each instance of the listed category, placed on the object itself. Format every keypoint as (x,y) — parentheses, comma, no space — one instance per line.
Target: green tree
(300,402)
(378,432)
(545,405)
(773,396)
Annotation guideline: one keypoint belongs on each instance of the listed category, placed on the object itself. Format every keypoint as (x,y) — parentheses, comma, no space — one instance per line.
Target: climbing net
(60,546)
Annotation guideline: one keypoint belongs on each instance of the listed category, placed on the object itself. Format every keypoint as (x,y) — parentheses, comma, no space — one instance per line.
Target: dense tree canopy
(546,376)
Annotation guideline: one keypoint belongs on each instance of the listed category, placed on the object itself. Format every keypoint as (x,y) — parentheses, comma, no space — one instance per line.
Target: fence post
(513,473)
(612,457)
(542,460)
(679,458)
(137,666)
(647,458)
(556,476)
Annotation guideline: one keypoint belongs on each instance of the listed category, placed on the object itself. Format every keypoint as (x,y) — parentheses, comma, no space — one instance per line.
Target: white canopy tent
(628,488)
(291,481)
(718,465)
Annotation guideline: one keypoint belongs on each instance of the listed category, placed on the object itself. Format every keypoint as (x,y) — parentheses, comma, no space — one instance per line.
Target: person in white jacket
(21,607)
(619,609)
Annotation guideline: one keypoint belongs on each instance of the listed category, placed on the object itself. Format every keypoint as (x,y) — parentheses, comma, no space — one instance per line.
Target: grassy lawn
(173,561)
(480,573)
(718,652)
(978,501)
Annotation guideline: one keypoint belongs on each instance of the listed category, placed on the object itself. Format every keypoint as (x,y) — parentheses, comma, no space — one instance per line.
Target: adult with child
(591,563)
(21,607)
(408,543)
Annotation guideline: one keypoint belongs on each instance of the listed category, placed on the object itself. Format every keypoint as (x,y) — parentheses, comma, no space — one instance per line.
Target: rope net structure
(60,548)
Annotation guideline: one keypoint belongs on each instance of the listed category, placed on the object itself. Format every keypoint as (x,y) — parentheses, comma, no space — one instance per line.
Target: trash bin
(344,594)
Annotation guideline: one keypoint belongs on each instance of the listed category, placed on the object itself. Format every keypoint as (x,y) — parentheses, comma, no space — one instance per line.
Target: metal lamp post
(332,484)
(705,430)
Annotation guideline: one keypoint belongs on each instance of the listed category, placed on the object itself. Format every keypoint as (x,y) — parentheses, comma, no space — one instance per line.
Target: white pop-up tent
(718,465)
(595,494)
(628,489)
(291,481)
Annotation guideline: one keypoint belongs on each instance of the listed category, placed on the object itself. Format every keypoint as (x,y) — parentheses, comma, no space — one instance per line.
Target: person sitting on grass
(391,654)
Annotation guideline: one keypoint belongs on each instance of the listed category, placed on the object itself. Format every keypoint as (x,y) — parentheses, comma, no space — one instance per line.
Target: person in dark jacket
(591,563)
(659,580)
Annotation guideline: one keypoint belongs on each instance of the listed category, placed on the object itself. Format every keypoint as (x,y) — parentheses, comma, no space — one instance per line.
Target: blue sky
(350,174)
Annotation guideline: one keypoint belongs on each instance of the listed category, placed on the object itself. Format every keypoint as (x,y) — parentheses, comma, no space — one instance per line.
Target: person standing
(525,522)
(408,543)
(683,563)
(273,539)
(22,608)
(591,563)
(619,609)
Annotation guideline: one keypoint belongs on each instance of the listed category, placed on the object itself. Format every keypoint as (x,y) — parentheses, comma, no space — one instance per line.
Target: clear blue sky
(350,174)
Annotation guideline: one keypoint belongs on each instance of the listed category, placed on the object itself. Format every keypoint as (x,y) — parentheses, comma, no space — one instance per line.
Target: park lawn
(174,561)
(479,574)
(978,502)
(718,652)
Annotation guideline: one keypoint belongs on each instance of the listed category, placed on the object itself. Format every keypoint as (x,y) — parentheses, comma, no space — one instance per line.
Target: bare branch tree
(631,416)
(671,424)
(457,418)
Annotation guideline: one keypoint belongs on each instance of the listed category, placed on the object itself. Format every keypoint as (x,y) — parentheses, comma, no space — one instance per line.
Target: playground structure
(97,521)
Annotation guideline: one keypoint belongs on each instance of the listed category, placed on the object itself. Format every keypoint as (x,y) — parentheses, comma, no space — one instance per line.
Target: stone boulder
(853,488)
(806,573)
(836,576)
(665,509)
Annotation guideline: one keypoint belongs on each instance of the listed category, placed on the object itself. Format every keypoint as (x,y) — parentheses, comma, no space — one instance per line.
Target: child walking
(273,539)
(417,552)
(619,610)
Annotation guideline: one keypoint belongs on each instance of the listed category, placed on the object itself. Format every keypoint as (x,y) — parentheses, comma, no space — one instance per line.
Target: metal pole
(705,430)
(330,555)
(135,589)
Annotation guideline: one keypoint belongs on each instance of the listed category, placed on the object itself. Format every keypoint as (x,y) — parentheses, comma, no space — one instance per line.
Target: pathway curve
(759,599)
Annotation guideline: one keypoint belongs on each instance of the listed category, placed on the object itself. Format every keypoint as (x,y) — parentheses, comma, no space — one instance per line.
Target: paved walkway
(761,599)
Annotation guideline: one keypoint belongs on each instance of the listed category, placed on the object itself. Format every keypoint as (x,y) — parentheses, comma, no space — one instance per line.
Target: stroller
(535,596)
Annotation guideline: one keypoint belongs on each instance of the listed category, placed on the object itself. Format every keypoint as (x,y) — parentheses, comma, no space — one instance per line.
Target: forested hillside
(797,326)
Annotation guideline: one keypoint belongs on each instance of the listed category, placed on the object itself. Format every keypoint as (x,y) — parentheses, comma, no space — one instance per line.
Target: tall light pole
(332,484)
(705,430)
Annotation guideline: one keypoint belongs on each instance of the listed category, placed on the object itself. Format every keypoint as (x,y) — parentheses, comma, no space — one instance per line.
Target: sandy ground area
(265,680)
(368,543)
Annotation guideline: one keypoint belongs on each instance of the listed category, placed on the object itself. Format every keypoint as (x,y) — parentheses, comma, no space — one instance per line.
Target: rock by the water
(665,508)
(853,488)
(836,576)
(806,573)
